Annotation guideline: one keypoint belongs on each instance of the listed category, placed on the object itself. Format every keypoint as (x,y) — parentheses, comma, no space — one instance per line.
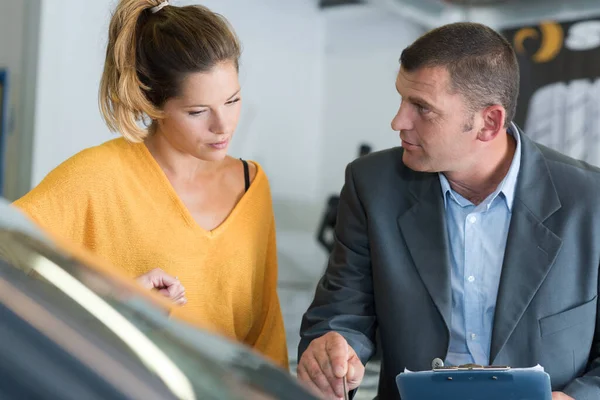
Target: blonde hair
(149,55)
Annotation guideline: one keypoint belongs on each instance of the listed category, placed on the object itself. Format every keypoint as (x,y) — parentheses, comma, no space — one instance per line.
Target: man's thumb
(355,371)
(351,371)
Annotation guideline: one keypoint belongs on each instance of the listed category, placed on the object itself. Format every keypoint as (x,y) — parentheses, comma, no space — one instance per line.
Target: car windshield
(191,363)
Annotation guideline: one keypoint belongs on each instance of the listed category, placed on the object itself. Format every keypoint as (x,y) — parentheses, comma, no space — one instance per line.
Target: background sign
(559,101)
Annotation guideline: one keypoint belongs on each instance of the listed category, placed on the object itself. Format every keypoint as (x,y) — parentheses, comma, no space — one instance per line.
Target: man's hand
(561,396)
(326,361)
(165,284)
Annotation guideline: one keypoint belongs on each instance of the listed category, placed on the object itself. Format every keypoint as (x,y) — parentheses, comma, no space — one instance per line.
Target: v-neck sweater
(115,200)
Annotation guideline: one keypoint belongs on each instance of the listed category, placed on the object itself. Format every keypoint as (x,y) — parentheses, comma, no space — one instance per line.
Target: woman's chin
(213,155)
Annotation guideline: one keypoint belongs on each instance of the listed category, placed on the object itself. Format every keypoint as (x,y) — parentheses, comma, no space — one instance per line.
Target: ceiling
(498,14)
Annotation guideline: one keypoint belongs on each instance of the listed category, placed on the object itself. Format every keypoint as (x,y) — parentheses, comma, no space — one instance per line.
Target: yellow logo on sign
(552,39)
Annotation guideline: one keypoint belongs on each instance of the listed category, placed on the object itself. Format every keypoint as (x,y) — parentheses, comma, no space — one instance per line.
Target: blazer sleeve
(344,300)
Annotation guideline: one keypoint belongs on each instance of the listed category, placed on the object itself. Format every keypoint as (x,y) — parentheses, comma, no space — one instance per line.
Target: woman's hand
(165,284)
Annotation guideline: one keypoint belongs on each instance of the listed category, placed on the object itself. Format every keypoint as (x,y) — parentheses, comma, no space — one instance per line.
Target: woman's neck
(176,162)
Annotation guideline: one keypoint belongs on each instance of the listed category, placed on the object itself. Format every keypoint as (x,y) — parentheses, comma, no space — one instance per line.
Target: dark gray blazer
(390,270)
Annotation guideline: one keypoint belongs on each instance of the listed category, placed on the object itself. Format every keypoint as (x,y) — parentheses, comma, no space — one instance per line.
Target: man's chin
(411,162)
(415,163)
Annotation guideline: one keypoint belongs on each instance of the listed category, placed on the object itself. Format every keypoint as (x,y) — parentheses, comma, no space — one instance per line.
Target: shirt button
(473,336)
(471,278)
(472,219)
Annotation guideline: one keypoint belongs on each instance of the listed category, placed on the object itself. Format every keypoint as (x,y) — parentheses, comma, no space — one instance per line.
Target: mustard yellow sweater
(115,200)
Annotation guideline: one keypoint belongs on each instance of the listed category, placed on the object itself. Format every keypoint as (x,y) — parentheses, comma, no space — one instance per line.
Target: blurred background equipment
(327,226)
(334,3)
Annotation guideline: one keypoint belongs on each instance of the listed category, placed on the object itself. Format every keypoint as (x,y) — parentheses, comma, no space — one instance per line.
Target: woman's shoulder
(257,174)
(94,164)
(259,187)
(102,158)
(105,154)
(253,168)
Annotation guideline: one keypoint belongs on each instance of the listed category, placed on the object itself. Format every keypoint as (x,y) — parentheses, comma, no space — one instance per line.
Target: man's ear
(493,122)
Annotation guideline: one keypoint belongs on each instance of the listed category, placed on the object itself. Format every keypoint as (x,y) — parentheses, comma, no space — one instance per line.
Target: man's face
(438,131)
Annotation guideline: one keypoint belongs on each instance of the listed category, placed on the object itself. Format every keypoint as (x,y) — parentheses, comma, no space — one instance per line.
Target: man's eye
(422,109)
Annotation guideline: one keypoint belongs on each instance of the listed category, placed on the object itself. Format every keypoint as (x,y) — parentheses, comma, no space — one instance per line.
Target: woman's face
(201,121)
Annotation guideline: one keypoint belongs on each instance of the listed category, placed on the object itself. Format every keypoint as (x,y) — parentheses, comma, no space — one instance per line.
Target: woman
(166,203)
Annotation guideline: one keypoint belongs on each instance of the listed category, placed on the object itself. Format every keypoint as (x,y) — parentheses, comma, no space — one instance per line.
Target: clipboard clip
(472,367)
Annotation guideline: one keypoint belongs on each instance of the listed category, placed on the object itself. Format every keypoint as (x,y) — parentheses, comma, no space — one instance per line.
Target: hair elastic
(159,7)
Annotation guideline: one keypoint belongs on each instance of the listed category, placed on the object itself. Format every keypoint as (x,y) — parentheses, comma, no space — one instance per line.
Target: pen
(345,388)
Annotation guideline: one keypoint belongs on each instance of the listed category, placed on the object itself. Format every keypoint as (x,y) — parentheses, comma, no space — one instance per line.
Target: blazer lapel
(423,227)
(531,247)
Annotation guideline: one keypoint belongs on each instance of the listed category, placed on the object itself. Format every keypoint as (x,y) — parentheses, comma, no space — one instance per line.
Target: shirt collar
(508,185)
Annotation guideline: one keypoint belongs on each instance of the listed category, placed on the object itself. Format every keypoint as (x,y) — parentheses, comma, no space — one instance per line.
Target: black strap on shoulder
(246,174)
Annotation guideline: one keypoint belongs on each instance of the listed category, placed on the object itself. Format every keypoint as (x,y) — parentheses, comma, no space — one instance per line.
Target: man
(470,243)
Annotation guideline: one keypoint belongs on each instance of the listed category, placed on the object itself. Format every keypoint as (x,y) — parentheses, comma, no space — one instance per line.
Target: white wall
(363,47)
(71,54)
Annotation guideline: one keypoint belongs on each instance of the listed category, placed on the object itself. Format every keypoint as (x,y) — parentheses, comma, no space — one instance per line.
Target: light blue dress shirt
(477,238)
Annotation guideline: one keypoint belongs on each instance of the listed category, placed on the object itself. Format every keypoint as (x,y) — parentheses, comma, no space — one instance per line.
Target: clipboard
(475,383)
